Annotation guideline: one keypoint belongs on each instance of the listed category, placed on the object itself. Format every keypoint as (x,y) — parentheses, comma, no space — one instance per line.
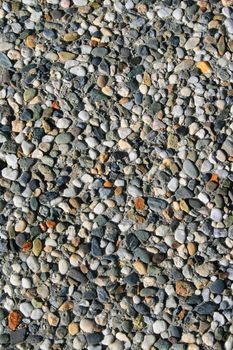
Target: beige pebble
(140,267)
(192,248)
(87,325)
(20,226)
(73,328)
(53,320)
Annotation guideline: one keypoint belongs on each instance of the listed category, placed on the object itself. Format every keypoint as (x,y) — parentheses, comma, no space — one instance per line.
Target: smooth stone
(33,264)
(156,204)
(63,266)
(206,308)
(80,3)
(217,287)
(94,338)
(18,336)
(87,325)
(134,191)
(4,339)
(10,174)
(190,169)
(36,314)
(63,138)
(159,326)
(216,214)
(79,71)
(99,52)
(227,146)
(5,46)
(26,309)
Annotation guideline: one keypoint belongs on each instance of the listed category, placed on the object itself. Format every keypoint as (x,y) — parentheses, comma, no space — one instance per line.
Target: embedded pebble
(116,152)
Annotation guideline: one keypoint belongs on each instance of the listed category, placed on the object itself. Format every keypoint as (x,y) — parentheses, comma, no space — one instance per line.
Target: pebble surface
(116,174)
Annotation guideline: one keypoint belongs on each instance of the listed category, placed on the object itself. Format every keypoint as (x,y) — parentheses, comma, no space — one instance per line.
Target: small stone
(99,52)
(5,46)
(159,326)
(33,264)
(102,81)
(20,226)
(216,214)
(172,142)
(4,61)
(229,25)
(37,247)
(36,314)
(4,339)
(65,56)
(217,287)
(116,345)
(204,67)
(134,191)
(26,283)
(184,288)
(73,328)
(99,209)
(18,336)
(148,341)
(206,308)
(190,169)
(227,146)
(63,138)
(192,248)
(69,37)
(140,267)
(53,320)
(87,325)
(80,3)
(164,12)
(10,174)
(63,266)
(79,71)
(191,43)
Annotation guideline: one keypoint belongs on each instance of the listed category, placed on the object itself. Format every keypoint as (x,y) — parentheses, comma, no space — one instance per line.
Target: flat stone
(227,146)
(190,169)
(216,214)
(65,137)
(18,336)
(87,325)
(80,3)
(99,52)
(79,71)
(10,174)
(4,46)
(191,43)
(217,287)
(156,204)
(134,191)
(206,308)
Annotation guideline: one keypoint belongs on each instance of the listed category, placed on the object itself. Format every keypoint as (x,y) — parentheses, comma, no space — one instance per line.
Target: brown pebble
(192,248)
(184,288)
(102,81)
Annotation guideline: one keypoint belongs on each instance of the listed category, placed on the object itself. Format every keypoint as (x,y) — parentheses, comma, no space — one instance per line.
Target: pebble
(78,71)
(63,266)
(190,169)
(116,148)
(216,214)
(159,326)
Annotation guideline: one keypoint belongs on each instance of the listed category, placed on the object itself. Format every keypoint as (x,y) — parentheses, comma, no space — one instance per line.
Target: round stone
(63,266)
(159,326)
(87,325)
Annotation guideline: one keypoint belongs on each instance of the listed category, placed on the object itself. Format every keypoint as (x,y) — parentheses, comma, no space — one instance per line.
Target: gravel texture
(116,175)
